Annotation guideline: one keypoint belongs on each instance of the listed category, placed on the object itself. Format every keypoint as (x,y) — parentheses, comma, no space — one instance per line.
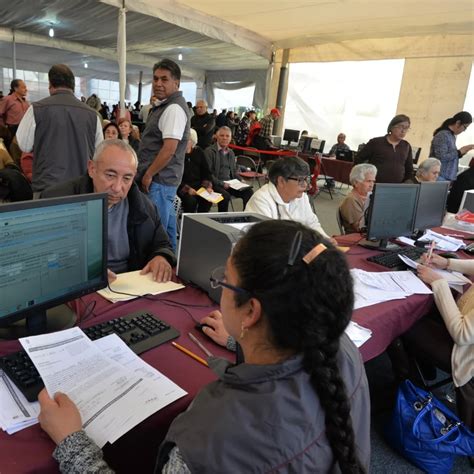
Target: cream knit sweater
(459,320)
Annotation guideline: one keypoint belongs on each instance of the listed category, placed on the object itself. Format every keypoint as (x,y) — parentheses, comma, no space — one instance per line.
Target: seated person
(428,170)
(339,146)
(222,163)
(262,138)
(448,343)
(464,181)
(111,131)
(391,154)
(128,134)
(301,400)
(136,238)
(351,210)
(196,174)
(284,196)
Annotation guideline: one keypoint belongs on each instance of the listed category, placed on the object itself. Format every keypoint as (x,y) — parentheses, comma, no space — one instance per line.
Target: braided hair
(307,308)
(464,118)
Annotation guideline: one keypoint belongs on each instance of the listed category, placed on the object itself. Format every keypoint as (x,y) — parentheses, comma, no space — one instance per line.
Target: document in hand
(112,390)
(135,285)
(211,197)
(443,242)
(236,184)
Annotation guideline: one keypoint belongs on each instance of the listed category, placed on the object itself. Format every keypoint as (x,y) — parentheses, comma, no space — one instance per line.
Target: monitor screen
(431,206)
(51,251)
(291,135)
(467,201)
(317,146)
(392,210)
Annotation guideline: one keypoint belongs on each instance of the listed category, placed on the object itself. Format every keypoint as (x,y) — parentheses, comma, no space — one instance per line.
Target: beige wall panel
(432,90)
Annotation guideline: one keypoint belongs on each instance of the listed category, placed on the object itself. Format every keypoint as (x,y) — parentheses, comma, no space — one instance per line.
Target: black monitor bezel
(370,213)
(7,320)
(285,137)
(443,185)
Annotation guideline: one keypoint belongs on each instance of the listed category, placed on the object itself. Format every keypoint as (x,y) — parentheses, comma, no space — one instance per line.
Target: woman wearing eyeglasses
(284,197)
(299,403)
(443,145)
(390,154)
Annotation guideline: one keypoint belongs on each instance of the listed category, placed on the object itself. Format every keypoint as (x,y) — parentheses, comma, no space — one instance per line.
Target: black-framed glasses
(402,127)
(217,280)
(303,181)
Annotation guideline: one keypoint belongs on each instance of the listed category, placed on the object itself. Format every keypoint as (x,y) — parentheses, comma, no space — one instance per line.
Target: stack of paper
(443,242)
(16,412)
(376,287)
(455,280)
(358,334)
(113,389)
(131,285)
(236,184)
(210,196)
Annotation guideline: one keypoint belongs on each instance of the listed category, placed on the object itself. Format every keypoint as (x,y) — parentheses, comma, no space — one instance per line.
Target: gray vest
(267,418)
(64,139)
(152,142)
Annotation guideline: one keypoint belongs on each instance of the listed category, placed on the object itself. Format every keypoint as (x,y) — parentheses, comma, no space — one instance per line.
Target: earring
(243,331)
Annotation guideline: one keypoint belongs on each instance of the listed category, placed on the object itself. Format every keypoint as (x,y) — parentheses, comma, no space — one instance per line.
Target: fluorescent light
(86,65)
(51,32)
(180,57)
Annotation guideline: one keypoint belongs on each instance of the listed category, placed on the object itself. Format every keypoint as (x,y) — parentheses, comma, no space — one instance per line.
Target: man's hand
(216,330)
(146,182)
(160,269)
(192,192)
(59,417)
(226,186)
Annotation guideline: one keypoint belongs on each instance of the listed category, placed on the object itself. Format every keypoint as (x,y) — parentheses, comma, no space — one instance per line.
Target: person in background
(164,142)
(196,174)
(222,164)
(146,109)
(443,144)
(351,210)
(262,139)
(94,103)
(13,107)
(204,124)
(287,298)
(448,342)
(231,122)
(221,119)
(340,145)
(428,171)
(284,196)
(111,132)
(128,134)
(243,129)
(464,181)
(391,154)
(62,130)
(136,238)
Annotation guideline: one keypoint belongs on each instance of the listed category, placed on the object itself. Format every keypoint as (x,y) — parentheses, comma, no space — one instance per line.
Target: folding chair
(339,222)
(249,169)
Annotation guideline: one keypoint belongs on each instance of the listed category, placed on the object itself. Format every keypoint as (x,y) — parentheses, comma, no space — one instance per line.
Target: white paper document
(236,184)
(111,397)
(131,285)
(443,242)
(358,334)
(16,412)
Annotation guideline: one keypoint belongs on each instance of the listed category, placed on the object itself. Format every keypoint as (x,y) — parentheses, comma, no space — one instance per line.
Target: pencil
(189,353)
(430,251)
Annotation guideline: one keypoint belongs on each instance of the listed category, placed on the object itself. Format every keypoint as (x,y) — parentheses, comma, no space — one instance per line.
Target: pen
(201,346)
(430,252)
(189,353)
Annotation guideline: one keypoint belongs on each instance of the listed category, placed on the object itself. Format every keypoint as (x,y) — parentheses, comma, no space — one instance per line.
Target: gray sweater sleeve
(77,454)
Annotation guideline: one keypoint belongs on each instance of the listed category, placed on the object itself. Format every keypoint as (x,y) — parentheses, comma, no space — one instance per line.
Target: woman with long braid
(299,402)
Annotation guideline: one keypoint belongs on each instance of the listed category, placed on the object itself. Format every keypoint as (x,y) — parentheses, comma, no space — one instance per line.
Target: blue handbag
(426,432)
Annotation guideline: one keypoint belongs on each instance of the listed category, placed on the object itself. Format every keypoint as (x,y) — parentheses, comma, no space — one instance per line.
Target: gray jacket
(215,165)
(268,418)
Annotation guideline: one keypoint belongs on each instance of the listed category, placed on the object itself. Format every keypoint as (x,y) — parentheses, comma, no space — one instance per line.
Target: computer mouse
(199,326)
(469,249)
(448,255)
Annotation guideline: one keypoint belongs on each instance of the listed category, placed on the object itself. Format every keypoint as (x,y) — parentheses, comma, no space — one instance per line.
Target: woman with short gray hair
(284,197)
(428,170)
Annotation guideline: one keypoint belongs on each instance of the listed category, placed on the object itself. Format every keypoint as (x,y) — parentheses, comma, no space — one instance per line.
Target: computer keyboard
(141,331)
(391,260)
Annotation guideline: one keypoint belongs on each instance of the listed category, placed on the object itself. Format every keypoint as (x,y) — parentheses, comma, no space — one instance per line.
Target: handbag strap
(425,410)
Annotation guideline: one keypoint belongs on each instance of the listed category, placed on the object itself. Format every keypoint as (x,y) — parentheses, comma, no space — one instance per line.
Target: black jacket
(146,235)
(463,182)
(204,126)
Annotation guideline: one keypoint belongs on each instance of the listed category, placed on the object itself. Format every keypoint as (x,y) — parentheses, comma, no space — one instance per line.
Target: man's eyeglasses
(303,181)
(217,280)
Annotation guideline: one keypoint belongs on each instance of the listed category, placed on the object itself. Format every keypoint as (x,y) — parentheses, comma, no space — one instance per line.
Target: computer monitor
(291,135)
(206,240)
(467,201)
(391,213)
(317,146)
(431,206)
(51,251)
(345,155)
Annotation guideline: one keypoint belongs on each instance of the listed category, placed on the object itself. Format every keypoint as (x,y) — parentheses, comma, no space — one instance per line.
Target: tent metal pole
(122,56)
(140,85)
(14,54)
(282,89)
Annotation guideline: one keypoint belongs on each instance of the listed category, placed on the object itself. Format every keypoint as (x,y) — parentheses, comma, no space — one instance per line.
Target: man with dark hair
(204,123)
(164,142)
(261,139)
(62,131)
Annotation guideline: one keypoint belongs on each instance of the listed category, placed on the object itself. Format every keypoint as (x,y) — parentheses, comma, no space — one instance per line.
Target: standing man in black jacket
(136,238)
(204,124)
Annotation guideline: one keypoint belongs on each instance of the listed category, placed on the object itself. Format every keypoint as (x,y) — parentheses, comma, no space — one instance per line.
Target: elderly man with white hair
(351,210)
(428,170)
